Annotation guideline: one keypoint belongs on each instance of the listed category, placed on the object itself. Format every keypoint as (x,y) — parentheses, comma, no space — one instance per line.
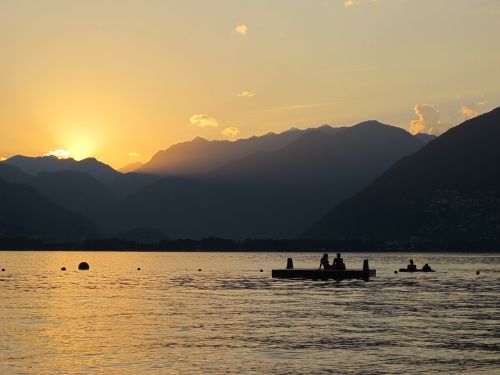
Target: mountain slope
(200,155)
(449,190)
(25,212)
(267,195)
(92,166)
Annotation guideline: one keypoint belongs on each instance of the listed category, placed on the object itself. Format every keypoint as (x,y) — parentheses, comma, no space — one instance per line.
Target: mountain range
(367,181)
(449,190)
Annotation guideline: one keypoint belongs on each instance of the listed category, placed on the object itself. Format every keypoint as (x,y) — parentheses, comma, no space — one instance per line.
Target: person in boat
(426,268)
(324,262)
(411,267)
(338,263)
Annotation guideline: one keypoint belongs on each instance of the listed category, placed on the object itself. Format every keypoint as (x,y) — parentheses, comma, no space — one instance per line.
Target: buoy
(199,269)
(83,266)
(138,268)
(261,270)
(3,269)
(477,272)
(63,268)
(395,271)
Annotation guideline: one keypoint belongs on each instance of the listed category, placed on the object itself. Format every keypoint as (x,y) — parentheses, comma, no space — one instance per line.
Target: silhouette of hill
(118,183)
(131,167)
(201,155)
(25,212)
(269,194)
(75,191)
(425,138)
(448,190)
(34,165)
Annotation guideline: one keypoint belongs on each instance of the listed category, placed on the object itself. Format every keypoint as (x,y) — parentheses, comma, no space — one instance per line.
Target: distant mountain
(118,183)
(447,191)
(25,212)
(75,191)
(131,167)
(425,138)
(200,156)
(34,165)
(270,194)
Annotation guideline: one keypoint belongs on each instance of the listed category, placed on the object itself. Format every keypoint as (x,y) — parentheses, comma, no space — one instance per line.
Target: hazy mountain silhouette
(424,137)
(75,191)
(131,167)
(25,212)
(34,165)
(268,194)
(118,183)
(201,155)
(447,191)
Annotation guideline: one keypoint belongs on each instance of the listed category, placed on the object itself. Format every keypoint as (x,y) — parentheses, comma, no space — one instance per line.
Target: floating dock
(315,274)
(321,274)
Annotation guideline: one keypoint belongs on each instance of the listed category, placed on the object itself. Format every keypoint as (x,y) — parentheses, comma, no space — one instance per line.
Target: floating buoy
(477,272)
(395,271)
(138,268)
(261,270)
(63,268)
(3,269)
(199,269)
(83,266)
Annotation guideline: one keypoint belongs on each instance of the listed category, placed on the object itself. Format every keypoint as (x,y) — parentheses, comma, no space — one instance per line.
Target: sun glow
(60,154)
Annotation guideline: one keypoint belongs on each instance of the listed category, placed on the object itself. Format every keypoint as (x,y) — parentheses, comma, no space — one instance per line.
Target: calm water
(231,318)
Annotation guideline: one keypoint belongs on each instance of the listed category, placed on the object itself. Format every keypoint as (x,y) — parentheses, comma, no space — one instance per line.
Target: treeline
(269,245)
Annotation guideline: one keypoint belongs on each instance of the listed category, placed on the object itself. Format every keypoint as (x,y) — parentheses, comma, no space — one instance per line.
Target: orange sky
(120,80)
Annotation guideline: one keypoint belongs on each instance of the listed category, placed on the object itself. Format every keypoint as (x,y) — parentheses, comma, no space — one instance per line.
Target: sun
(81,147)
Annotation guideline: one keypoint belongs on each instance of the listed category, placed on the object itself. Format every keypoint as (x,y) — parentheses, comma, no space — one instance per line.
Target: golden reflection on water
(170,318)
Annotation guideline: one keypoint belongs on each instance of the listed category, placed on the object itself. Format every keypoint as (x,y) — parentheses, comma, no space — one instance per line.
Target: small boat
(321,274)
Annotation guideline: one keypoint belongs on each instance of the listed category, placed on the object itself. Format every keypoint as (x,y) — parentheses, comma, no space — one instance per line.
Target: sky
(121,79)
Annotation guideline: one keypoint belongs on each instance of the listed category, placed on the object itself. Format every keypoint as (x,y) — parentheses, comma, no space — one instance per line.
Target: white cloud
(203,120)
(133,154)
(246,94)
(231,133)
(60,154)
(241,29)
(428,119)
(348,3)
(468,112)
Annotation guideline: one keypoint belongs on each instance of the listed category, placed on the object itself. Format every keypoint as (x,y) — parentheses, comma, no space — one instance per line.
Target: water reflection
(231,318)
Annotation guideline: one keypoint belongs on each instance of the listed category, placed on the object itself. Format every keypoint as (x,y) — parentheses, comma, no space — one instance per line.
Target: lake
(231,318)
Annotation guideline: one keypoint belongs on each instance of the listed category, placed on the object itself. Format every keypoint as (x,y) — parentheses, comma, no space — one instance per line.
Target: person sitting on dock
(426,268)
(324,262)
(338,263)
(411,267)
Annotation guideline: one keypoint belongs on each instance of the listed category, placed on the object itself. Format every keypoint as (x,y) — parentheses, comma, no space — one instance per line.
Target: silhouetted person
(324,262)
(338,263)
(426,268)
(411,267)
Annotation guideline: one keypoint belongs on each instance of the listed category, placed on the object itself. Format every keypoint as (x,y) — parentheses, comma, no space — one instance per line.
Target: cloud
(231,133)
(133,154)
(428,119)
(348,3)
(468,112)
(60,154)
(241,29)
(203,120)
(246,94)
